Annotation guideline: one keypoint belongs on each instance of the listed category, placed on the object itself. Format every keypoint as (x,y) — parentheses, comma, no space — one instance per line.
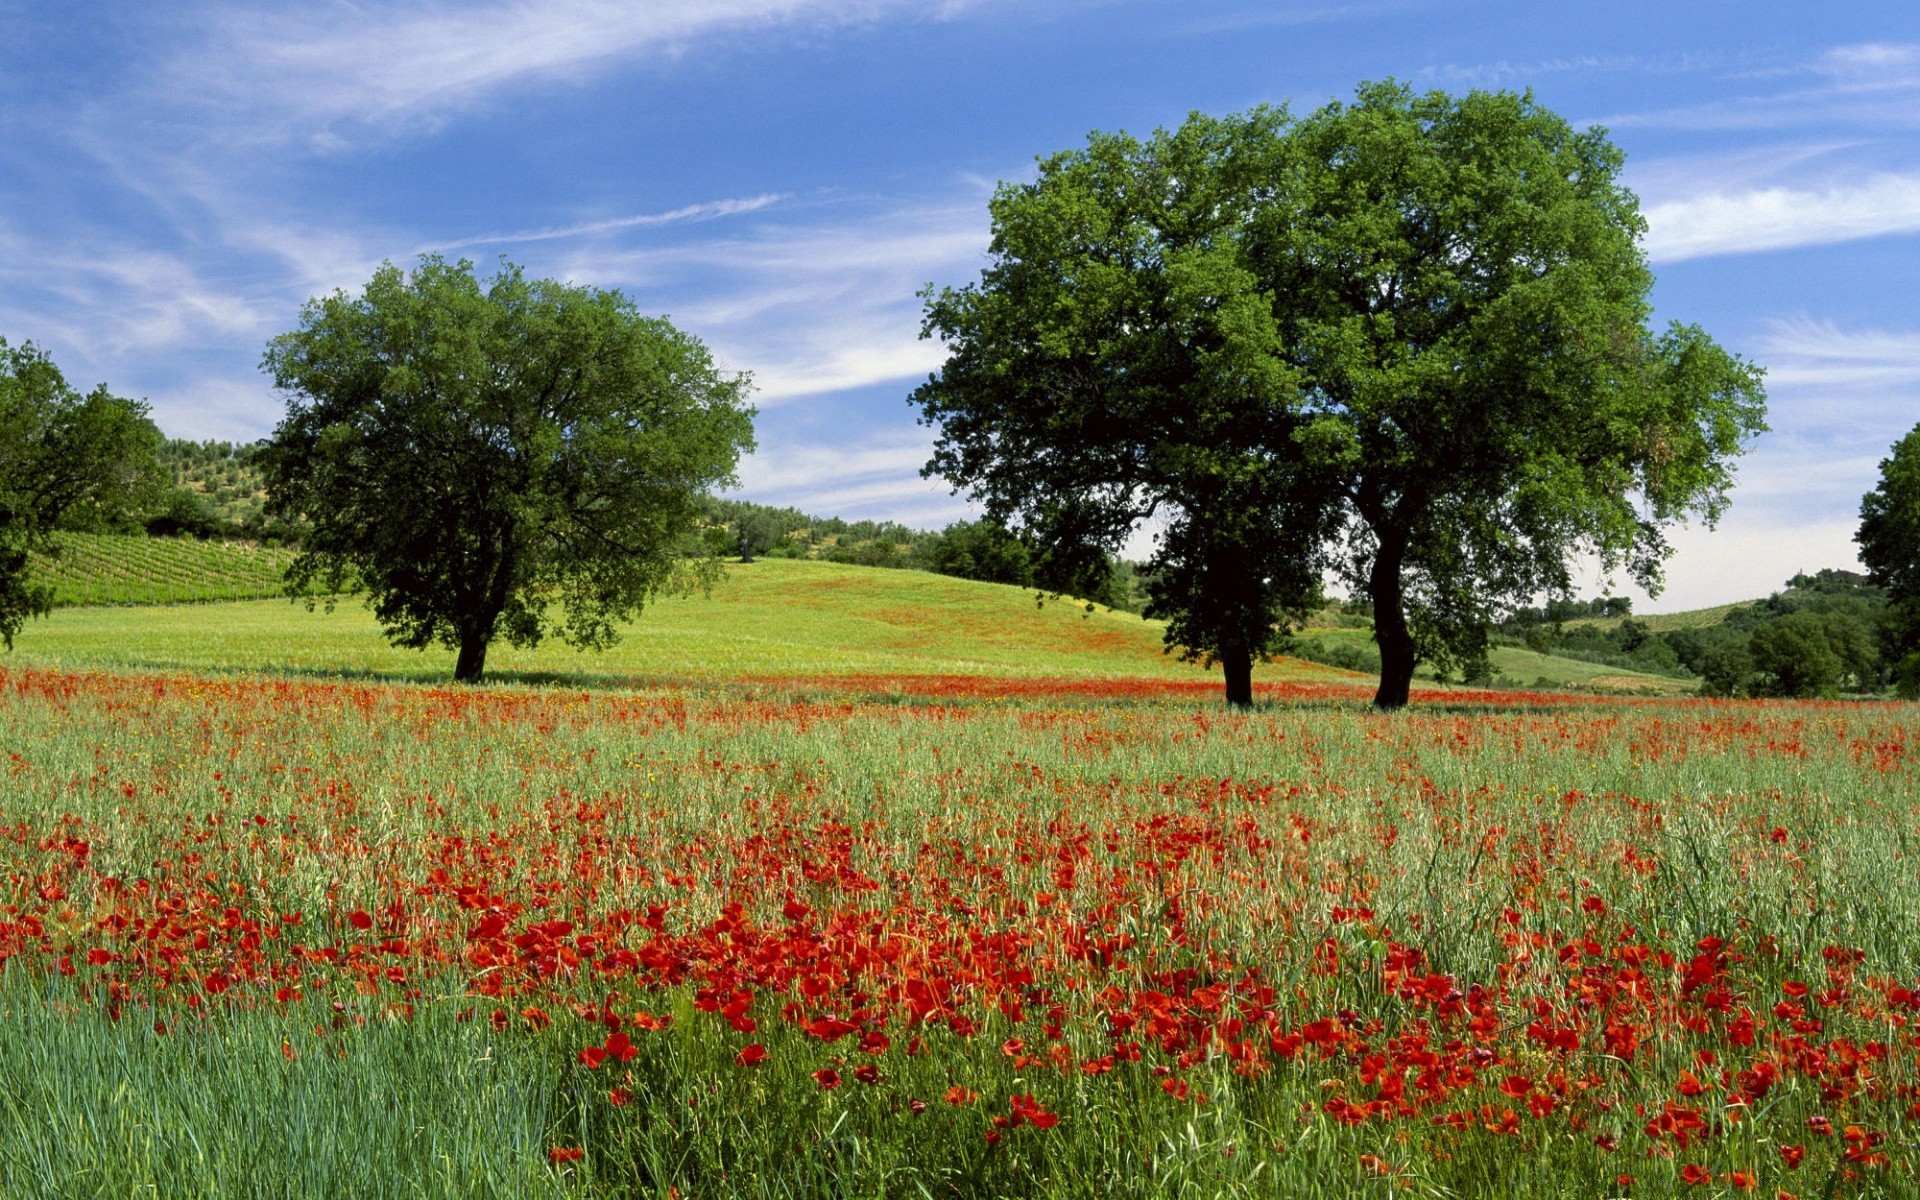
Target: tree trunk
(472,660)
(1390,623)
(1237,665)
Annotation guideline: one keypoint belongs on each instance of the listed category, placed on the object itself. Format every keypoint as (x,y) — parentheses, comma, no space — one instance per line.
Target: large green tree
(1404,340)
(1889,539)
(1120,362)
(513,460)
(67,461)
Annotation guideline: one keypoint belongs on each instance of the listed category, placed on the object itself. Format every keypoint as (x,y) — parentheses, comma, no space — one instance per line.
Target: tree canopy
(1119,361)
(1403,341)
(1889,540)
(67,461)
(515,460)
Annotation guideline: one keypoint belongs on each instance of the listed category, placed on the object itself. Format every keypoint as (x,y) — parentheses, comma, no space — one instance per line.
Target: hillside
(1693,618)
(96,569)
(772,618)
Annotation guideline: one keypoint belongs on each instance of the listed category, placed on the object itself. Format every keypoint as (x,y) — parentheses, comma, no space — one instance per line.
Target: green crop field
(109,569)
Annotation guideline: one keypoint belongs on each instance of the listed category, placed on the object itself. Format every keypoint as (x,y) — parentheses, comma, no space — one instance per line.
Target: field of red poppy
(950,937)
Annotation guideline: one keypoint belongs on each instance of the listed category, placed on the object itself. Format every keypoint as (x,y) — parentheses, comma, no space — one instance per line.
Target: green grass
(772,618)
(1516,666)
(1276,863)
(1519,665)
(117,569)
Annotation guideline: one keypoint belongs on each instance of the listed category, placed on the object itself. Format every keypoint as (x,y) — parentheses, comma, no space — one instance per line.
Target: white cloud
(1870,84)
(211,408)
(1749,556)
(1801,351)
(808,309)
(804,468)
(307,68)
(104,301)
(1776,218)
(1872,66)
(706,211)
(1505,73)
(877,476)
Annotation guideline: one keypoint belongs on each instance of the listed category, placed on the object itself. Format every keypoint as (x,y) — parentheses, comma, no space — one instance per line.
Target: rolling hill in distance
(172,603)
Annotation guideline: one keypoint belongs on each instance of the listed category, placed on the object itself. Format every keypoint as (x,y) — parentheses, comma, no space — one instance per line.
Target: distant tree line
(1826,634)
(982,550)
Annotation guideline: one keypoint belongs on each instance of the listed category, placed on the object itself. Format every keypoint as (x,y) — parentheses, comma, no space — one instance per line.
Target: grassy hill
(772,618)
(1693,618)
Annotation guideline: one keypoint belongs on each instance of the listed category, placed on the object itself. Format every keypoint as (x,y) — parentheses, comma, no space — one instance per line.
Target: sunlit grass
(772,618)
(355,831)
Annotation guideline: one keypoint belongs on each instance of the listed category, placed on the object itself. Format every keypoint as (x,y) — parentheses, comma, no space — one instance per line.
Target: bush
(1348,654)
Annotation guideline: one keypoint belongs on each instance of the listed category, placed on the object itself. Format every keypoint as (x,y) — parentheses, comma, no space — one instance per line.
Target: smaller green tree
(1793,656)
(518,460)
(1889,539)
(984,550)
(67,461)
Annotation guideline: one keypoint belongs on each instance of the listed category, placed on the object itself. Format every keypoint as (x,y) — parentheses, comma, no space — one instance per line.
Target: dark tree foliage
(1793,656)
(1889,539)
(982,550)
(1405,339)
(478,457)
(1461,284)
(1119,361)
(67,461)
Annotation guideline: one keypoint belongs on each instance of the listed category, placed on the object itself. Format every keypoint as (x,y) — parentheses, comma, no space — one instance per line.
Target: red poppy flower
(826,1077)
(751,1055)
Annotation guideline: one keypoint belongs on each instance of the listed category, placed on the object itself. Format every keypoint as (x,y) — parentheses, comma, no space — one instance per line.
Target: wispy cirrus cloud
(1508,72)
(874,474)
(1777,218)
(1871,84)
(1804,350)
(308,70)
(827,305)
(704,211)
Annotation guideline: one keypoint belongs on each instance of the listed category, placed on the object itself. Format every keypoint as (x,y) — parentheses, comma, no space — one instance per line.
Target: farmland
(948,932)
(106,569)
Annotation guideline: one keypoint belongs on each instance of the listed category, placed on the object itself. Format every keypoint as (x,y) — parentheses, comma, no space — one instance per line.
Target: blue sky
(782,176)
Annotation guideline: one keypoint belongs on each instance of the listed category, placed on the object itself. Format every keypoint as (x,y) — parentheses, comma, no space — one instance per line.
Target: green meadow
(771,618)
